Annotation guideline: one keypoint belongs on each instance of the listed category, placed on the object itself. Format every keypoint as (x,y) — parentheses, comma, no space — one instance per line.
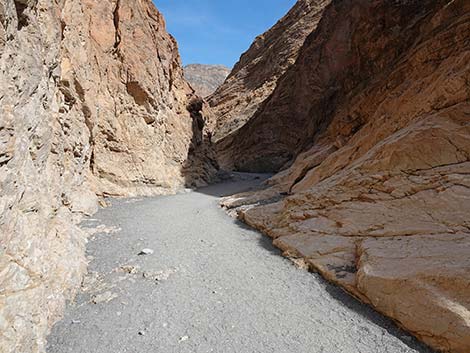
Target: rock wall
(376,112)
(92,101)
(130,85)
(255,76)
(205,79)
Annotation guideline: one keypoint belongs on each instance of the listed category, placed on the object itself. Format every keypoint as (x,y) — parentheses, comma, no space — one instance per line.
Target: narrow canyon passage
(210,285)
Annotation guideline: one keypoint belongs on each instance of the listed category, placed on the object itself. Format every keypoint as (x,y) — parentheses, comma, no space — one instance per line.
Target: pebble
(104,297)
(129,269)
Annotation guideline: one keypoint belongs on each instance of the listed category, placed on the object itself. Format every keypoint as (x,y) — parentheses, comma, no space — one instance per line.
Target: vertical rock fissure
(116,20)
(21,14)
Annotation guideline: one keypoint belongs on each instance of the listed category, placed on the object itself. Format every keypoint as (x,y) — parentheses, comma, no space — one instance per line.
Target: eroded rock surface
(93,101)
(376,113)
(146,122)
(255,76)
(205,79)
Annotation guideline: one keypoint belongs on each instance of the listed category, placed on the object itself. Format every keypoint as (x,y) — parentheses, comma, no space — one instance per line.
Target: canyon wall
(255,76)
(93,102)
(371,128)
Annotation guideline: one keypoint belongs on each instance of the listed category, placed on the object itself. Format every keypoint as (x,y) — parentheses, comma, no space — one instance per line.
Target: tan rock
(93,101)
(205,79)
(378,193)
(424,281)
(143,135)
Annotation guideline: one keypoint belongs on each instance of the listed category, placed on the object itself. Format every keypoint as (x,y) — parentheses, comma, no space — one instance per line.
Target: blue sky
(219,31)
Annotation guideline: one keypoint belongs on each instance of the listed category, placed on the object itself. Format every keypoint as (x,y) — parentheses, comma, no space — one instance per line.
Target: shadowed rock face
(255,76)
(101,107)
(376,113)
(205,79)
(333,65)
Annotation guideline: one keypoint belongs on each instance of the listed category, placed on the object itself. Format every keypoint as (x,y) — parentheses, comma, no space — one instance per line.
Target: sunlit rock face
(129,70)
(93,101)
(375,114)
(255,76)
(205,79)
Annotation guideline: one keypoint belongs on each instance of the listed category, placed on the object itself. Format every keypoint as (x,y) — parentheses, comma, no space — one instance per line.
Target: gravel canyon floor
(210,285)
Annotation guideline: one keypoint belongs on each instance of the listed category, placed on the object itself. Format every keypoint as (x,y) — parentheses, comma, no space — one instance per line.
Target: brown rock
(92,100)
(255,76)
(205,79)
(375,112)
(142,133)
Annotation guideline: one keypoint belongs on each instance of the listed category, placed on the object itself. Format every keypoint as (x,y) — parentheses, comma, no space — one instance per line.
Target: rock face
(205,79)
(255,76)
(376,113)
(100,108)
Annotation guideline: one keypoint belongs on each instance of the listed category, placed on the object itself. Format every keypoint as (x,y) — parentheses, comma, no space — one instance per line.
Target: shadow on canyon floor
(345,299)
(201,154)
(247,182)
(366,311)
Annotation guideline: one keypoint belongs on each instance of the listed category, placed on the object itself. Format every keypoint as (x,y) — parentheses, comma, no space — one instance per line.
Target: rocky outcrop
(375,113)
(142,132)
(92,101)
(205,79)
(255,76)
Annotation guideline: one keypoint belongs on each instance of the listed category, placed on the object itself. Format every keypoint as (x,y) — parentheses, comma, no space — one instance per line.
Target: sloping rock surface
(376,113)
(255,76)
(205,79)
(93,101)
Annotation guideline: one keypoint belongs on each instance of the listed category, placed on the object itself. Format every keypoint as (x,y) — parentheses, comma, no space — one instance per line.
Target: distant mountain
(205,79)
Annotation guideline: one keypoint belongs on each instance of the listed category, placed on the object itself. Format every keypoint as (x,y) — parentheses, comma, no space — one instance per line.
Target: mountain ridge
(205,78)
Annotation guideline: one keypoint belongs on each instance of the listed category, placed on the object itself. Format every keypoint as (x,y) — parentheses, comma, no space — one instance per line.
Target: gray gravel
(211,285)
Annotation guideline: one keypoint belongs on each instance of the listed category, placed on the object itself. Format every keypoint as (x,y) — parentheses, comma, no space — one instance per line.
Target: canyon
(360,109)
(255,76)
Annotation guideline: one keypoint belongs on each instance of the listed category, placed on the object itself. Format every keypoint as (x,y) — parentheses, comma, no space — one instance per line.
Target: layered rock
(92,101)
(255,76)
(205,79)
(376,113)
